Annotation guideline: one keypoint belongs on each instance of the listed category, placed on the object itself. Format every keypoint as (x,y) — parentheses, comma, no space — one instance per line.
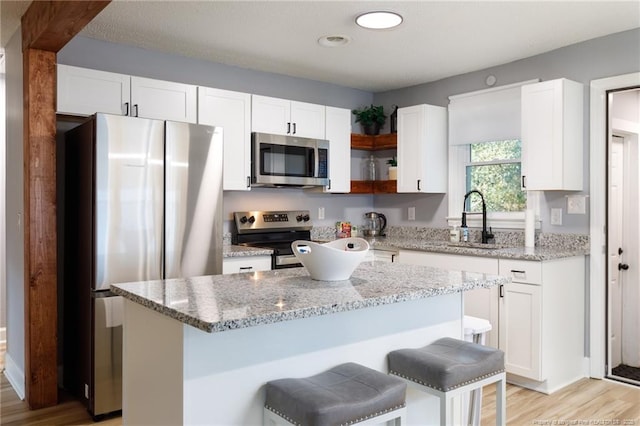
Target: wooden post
(46,27)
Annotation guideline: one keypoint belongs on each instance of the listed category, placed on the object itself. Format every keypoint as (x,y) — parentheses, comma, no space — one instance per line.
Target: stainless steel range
(275,230)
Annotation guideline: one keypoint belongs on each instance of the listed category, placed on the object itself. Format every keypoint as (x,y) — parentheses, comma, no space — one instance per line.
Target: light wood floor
(586,402)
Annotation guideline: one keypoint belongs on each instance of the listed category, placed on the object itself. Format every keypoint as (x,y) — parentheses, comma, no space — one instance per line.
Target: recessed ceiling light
(379,20)
(333,40)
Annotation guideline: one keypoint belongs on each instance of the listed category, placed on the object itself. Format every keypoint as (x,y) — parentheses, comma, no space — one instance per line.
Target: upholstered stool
(450,367)
(475,330)
(344,395)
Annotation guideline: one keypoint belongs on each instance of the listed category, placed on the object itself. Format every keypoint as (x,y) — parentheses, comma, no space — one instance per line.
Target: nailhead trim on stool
(346,394)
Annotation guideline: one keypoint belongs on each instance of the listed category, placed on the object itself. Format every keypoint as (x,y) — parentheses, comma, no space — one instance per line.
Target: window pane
(500,185)
(499,150)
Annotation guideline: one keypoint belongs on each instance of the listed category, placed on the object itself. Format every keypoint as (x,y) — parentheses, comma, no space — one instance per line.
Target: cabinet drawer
(233,265)
(521,271)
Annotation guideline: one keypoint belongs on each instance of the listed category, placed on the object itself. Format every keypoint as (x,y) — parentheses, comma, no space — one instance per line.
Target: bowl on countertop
(332,261)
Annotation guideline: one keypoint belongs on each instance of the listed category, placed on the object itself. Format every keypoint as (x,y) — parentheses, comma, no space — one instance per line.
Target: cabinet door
(308,120)
(422,149)
(520,329)
(163,100)
(234,265)
(231,111)
(84,91)
(270,115)
(551,130)
(338,132)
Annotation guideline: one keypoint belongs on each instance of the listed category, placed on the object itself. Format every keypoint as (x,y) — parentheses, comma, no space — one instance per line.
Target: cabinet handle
(126,108)
(516,271)
(418,184)
(136,107)
(246,268)
(248,181)
(288,128)
(393,258)
(501,290)
(523,184)
(294,128)
(329,186)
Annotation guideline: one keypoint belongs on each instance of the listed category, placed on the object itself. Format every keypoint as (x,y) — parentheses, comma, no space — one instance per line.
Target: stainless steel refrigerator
(142,201)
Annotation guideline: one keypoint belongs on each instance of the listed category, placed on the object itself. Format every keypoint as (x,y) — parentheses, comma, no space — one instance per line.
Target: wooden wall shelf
(374,143)
(374,186)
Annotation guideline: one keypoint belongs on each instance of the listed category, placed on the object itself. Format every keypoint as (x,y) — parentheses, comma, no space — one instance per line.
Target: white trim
(14,375)
(493,89)
(3,335)
(597,214)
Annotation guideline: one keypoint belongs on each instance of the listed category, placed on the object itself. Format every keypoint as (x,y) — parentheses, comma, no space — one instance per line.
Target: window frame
(459,159)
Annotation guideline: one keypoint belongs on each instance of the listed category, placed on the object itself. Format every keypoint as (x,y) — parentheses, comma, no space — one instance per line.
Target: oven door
(286,160)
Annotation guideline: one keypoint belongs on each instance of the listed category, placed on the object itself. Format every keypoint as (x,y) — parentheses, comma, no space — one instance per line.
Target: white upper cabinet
(552,135)
(290,118)
(338,132)
(232,112)
(422,149)
(83,91)
(163,100)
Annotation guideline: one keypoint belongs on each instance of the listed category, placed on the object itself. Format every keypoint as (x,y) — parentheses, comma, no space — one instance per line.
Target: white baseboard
(3,335)
(15,376)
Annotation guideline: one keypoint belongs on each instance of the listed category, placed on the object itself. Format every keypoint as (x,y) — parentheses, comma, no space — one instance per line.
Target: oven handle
(286,260)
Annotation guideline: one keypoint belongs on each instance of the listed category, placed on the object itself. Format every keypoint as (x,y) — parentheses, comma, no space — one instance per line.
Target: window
(485,154)
(494,169)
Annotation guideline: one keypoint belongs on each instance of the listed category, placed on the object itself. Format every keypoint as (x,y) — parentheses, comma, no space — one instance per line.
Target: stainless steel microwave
(278,160)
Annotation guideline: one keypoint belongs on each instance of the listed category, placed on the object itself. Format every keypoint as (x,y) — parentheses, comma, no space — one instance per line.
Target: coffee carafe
(374,224)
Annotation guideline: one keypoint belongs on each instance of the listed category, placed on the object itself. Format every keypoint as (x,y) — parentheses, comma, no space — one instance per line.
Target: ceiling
(437,39)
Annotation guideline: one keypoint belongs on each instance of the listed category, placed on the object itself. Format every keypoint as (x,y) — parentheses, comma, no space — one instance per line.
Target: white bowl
(332,261)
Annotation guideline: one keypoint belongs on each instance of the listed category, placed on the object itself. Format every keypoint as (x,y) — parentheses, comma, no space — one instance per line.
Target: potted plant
(371,118)
(393,168)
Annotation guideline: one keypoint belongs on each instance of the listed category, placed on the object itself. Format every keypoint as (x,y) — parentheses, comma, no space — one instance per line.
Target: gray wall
(612,55)
(14,210)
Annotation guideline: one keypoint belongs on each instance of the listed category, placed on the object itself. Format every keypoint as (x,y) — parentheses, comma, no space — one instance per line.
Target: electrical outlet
(556,216)
(411,213)
(576,204)
(320,213)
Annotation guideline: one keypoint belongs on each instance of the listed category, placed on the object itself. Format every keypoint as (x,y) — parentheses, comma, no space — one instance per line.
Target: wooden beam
(49,25)
(46,27)
(40,256)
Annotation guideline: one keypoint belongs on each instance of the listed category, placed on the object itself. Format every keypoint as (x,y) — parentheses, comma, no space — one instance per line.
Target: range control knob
(252,219)
(306,218)
(299,218)
(243,219)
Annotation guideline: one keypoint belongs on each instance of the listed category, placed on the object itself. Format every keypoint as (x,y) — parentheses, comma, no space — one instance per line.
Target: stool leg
(501,401)
(446,403)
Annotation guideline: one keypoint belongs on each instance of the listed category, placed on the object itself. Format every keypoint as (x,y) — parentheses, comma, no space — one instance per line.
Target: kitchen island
(199,350)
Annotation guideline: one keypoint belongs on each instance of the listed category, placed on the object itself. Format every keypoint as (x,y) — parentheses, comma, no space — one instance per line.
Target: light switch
(556,216)
(576,204)
(411,213)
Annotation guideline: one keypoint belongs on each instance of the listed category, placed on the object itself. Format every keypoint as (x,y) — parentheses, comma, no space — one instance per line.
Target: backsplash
(503,238)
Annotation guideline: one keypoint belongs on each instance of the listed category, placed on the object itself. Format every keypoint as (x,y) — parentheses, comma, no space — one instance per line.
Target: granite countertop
(537,253)
(220,303)
(243,251)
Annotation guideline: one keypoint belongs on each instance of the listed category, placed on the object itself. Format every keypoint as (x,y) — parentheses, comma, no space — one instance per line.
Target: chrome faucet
(486,235)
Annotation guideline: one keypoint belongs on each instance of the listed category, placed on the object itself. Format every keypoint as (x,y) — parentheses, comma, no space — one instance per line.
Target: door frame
(598,215)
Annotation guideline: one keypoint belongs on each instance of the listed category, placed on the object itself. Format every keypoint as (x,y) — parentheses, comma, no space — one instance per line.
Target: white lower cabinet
(234,265)
(480,303)
(538,319)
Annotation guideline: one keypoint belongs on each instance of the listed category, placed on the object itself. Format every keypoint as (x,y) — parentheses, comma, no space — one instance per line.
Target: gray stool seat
(346,394)
(446,363)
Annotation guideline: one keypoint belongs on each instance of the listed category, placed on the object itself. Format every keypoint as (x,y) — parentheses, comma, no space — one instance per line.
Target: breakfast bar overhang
(199,350)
